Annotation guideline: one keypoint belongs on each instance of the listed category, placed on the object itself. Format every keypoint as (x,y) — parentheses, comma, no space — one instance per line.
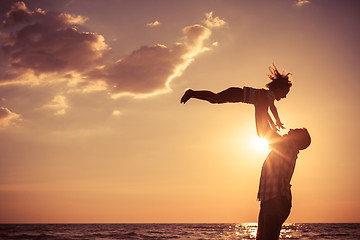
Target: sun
(260,144)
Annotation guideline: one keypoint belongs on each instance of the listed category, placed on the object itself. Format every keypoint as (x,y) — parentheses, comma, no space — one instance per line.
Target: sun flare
(260,144)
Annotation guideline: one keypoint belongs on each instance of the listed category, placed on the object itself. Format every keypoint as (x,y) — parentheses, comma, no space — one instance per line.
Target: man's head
(301,137)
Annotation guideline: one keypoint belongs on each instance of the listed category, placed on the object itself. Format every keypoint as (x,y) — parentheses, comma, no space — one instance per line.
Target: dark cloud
(47,42)
(37,44)
(150,69)
(143,71)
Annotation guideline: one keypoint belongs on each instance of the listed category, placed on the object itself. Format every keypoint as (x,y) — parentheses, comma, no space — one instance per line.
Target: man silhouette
(274,189)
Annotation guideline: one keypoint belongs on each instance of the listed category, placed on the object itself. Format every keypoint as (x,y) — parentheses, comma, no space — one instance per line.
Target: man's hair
(278,80)
(303,138)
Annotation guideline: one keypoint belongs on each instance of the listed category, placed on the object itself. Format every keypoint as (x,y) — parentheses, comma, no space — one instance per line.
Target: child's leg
(203,95)
(187,95)
(233,94)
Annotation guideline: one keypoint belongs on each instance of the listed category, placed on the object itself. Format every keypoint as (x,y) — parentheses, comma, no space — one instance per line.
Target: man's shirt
(277,170)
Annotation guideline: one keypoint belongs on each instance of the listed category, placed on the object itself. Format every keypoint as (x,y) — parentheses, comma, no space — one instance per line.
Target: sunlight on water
(304,231)
(247,230)
(290,230)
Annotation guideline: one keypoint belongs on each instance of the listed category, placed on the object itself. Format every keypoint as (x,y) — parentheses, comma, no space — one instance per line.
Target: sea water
(175,231)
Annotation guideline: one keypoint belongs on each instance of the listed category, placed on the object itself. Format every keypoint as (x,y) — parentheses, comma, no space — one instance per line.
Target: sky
(92,129)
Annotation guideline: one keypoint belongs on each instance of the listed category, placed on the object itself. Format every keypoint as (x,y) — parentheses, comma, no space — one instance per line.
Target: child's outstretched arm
(274,111)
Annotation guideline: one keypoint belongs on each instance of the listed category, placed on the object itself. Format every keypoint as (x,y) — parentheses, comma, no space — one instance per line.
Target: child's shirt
(251,95)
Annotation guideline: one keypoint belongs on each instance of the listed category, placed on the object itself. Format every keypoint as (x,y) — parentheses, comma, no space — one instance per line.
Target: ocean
(175,231)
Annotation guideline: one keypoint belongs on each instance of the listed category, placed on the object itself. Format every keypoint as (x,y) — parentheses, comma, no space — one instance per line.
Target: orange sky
(92,129)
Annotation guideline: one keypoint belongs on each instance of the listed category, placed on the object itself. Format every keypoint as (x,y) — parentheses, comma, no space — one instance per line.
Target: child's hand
(279,125)
(273,125)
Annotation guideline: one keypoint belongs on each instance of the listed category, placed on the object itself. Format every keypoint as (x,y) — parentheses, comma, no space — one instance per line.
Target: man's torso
(277,171)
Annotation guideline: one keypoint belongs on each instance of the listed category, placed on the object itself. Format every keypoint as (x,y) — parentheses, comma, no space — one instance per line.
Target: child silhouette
(278,88)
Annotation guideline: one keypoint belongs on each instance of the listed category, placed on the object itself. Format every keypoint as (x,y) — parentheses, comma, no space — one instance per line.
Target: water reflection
(290,230)
(245,230)
(249,230)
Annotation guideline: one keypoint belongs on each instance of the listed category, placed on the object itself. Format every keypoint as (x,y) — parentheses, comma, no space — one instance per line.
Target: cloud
(301,3)
(8,118)
(40,42)
(116,113)
(150,69)
(58,103)
(213,22)
(153,24)
(44,47)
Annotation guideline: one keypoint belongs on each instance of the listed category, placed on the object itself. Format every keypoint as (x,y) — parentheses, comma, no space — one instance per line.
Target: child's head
(280,83)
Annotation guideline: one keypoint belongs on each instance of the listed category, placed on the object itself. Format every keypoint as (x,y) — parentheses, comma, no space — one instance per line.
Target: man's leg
(273,214)
(260,229)
(272,226)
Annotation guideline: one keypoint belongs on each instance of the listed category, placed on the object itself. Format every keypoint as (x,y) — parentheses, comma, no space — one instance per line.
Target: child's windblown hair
(278,80)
